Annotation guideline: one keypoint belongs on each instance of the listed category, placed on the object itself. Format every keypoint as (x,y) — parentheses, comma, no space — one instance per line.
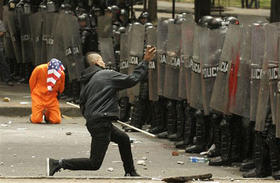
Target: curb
(76,177)
(16,111)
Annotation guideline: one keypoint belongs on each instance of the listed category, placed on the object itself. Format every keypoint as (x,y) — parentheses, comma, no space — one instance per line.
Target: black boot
(187,135)
(22,73)
(171,120)
(180,121)
(274,152)
(236,125)
(136,117)
(67,89)
(157,118)
(200,134)
(124,109)
(76,91)
(247,163)
(216,120)
(261,159)
(132,173)
(224,159)
(27,68)
(163,123)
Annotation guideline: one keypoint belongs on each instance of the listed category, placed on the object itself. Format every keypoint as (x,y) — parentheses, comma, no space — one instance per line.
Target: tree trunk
(275,11)
(152,10)
(202,8)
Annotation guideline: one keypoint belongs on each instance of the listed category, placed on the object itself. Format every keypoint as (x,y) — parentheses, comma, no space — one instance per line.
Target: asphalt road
(25,147)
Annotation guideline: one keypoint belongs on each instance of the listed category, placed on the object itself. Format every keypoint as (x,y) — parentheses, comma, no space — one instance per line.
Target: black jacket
(99,99)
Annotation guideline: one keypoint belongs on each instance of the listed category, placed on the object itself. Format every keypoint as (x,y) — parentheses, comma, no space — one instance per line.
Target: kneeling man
(46,83)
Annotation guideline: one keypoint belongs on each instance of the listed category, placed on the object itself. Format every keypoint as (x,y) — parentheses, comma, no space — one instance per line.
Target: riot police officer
(88,35)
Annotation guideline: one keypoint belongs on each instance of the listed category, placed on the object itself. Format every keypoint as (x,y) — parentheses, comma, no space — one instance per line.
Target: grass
(235,3)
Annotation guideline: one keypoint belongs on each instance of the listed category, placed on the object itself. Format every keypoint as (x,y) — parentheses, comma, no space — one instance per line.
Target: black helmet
(180,20)
(144,14)
(82,17)
(115,8)
(179,16)
(27,8)
(148,24)
(215,23)
(66,6)
(203,21)
(122,30)
(51,6)
(231,20)
(171,20)
(109,9)
(123,12)
(136,23)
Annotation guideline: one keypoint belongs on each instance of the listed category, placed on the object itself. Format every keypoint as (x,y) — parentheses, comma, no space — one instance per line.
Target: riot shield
(268,86)
(123,59)
(25,37)
(106,48)
(57,48)
(72,47)
(36,34)
(104,27)
(44,37)
(186,55)
(105,40)
(10,20)
(136,50)
(240,98)
(173,61)
(226,76)
(274,57)
(152,76)
(196,97)
(161,53)
(278,90)
(8,43)
(211,42)
(257,53)
(49,32)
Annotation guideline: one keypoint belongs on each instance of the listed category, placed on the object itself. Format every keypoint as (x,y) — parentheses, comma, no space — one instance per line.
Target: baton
(122,123)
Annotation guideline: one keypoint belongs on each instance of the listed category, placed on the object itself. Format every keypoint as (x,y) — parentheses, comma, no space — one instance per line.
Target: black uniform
(89,40)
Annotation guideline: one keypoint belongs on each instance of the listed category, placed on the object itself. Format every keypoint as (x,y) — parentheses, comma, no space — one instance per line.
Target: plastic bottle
(198,159)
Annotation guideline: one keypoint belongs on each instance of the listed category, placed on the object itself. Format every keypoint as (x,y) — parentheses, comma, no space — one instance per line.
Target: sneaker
(132,174)
(52,166)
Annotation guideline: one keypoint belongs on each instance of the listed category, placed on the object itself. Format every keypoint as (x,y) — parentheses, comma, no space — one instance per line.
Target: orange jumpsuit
(45,102)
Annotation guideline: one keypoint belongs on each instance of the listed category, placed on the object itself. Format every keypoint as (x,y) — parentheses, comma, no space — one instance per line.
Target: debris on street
(6,99)
(141,162)
(68,133)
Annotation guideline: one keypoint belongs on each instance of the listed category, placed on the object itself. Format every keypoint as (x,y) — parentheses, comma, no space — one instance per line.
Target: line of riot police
(213,88)
(67,30)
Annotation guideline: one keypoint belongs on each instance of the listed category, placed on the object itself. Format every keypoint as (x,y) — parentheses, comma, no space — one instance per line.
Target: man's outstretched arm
(122,81)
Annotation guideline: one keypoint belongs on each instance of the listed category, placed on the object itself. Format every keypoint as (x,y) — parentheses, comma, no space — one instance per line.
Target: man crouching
(99,106)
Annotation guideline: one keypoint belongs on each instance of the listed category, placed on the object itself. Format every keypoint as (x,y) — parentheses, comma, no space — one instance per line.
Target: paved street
(26,146)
